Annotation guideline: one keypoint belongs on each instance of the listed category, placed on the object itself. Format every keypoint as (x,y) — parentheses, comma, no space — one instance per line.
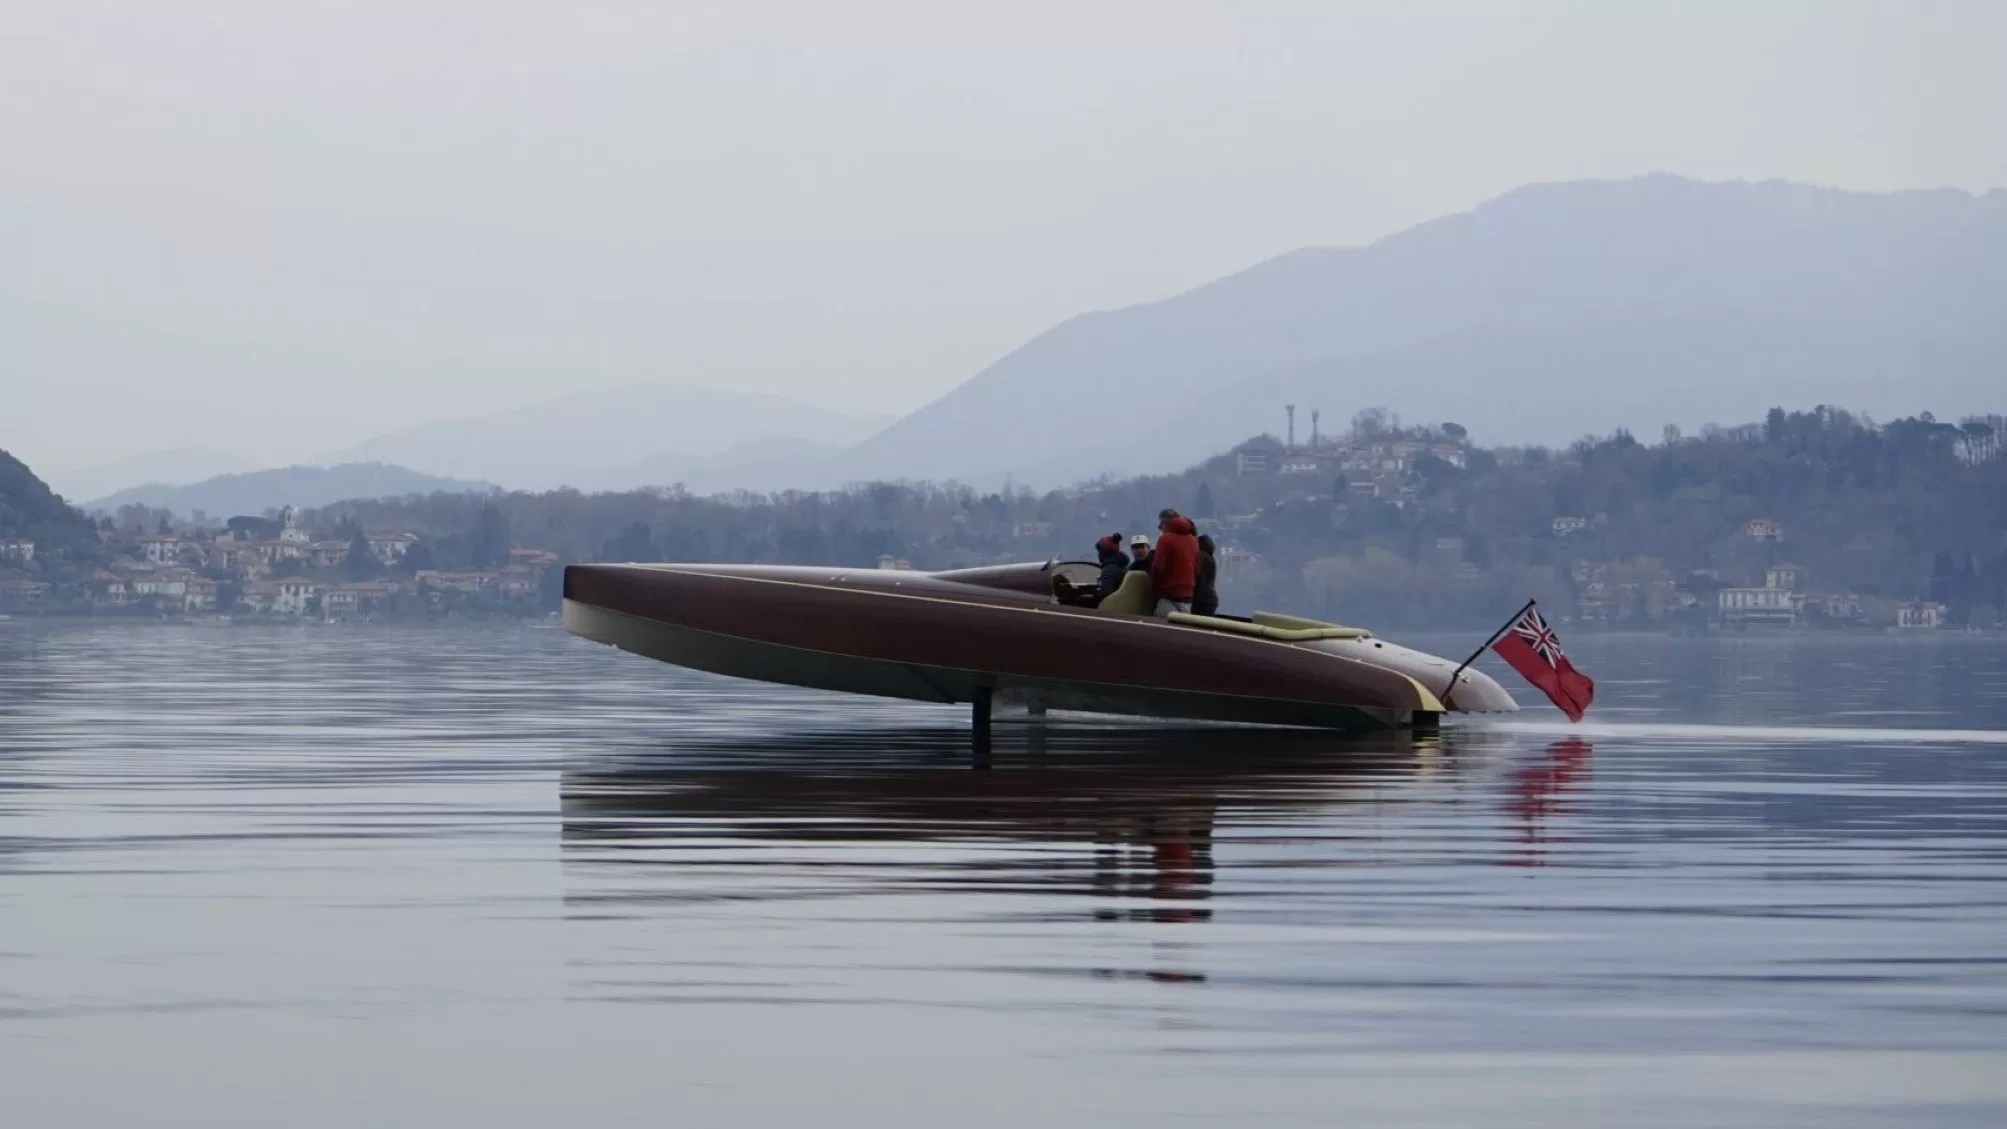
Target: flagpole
(1474,655)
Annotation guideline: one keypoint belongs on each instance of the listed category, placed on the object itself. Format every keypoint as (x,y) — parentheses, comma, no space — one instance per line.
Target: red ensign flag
(1530,646)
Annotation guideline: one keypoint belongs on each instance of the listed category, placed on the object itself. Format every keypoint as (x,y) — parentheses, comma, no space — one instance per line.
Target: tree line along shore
(1808,520)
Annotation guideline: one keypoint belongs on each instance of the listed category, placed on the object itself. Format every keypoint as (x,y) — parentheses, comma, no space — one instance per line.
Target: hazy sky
(282,227)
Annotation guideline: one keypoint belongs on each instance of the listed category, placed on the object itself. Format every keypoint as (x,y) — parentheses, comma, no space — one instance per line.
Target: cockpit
(1073,583)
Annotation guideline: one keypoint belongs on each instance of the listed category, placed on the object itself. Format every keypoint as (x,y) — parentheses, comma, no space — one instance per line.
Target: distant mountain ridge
(174,465)
(1553,310)
(255,492)
(617,438)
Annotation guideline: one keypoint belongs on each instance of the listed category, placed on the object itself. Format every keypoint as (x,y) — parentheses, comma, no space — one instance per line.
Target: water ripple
(507,868)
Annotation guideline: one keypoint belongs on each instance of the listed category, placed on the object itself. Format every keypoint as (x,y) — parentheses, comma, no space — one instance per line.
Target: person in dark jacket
(1114,566)
(1139,553)
(1174,565)
(1206,594)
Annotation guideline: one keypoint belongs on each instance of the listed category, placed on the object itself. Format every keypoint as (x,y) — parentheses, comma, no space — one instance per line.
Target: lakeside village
(265,568)
(274,569)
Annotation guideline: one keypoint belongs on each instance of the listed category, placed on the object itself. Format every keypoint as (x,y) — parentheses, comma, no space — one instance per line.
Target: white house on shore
(1920,615)
(391,547)
(1751,607)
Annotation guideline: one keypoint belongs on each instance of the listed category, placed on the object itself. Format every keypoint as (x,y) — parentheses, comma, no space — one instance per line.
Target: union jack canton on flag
(1532,649)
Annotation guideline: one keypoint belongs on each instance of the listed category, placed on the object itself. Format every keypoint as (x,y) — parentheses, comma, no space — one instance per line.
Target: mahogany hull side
(925,623)
(740,657)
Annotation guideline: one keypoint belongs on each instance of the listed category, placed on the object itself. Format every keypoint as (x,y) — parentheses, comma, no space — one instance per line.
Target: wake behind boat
(1014,631)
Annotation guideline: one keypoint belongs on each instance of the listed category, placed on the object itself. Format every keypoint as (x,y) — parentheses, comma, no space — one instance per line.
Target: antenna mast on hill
(1314,414)
(1291,409)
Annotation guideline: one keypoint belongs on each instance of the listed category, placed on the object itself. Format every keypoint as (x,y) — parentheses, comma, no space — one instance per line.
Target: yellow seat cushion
(1263,630)
(1135,597)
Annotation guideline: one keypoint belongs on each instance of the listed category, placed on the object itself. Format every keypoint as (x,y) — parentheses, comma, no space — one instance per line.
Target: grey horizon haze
(281,230)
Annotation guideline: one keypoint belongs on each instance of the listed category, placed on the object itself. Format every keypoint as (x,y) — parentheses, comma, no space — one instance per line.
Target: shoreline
(1579,631)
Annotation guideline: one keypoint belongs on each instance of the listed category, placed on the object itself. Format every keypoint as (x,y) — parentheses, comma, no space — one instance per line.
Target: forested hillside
(30,511)
(1383,526)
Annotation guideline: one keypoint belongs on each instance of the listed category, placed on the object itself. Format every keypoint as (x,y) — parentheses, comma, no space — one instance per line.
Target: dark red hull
(944,638)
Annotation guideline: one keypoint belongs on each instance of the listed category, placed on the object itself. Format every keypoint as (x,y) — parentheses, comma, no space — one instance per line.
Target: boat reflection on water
(1539,793)
(1145,803)
(701,849)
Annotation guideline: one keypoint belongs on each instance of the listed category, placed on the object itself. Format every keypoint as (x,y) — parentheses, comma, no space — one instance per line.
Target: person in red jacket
(1174,567)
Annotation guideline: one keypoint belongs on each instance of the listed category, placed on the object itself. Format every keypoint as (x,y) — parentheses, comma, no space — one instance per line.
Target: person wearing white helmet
(1139,553)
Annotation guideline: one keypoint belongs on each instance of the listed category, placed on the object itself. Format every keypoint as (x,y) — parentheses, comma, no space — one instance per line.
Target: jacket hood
(1181,525)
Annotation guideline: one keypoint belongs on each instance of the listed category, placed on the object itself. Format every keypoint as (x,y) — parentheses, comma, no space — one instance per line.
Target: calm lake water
(329,877)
